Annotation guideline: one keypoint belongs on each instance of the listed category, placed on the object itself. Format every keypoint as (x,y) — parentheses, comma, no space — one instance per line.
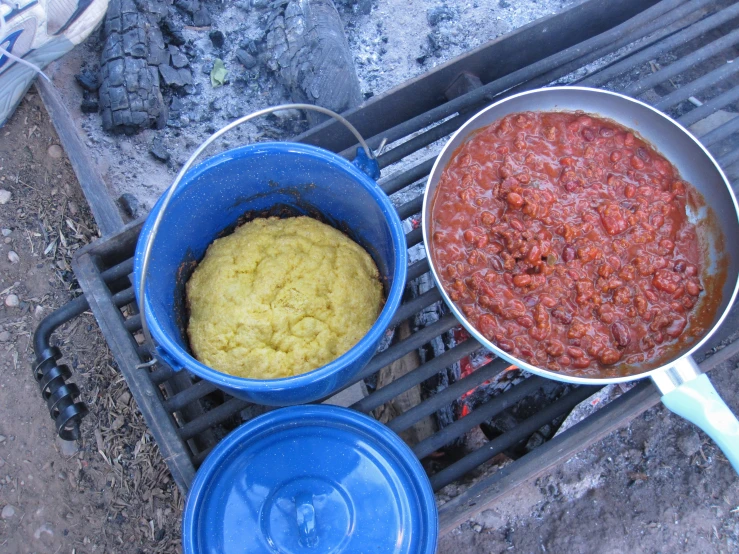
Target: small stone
(5,196)
(689,443)
(7,240)
(477,528)
(4,336)
(159,151)
(55,151)
(130,205)
(189,6)
(6,232)
(8,512)
(67,448)
(38,311)
(173,31)
(73,207)
(217,38)
(246,59)
(201,18)
(438,14)
(88,80)
(2,440)
(12,301)
(13,257)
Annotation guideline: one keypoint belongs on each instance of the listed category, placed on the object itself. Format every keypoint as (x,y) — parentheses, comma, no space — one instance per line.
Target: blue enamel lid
(311,480)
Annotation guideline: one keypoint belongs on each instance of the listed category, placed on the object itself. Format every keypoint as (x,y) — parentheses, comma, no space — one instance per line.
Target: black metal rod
(117,271)
(133,323)
(448,395)
(397,351)
(414,237)
(730,158)
(511,438)
(654,30)
(710,107)
(410,208)
(416,305)
(70,310)
(424,139)
(190,394)
(678,39)
(683,64)
(213,417)
(417,376)
(418,268)
(720,133)
(484,94)
(399,182)
(482,413)
(161,374)
(707,81)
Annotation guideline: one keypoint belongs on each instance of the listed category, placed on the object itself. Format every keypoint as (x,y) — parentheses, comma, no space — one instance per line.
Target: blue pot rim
(296,414)
(185,360)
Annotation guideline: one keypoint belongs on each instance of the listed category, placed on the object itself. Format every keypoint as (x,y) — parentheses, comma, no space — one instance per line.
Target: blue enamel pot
(260,180)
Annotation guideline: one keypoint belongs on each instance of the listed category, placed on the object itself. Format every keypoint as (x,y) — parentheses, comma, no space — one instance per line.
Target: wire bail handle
(188,164)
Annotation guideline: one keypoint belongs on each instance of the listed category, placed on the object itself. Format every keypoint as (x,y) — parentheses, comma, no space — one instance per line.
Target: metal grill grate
(675,55)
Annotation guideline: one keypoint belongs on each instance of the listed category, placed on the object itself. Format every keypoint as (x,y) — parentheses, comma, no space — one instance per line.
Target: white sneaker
(39,32)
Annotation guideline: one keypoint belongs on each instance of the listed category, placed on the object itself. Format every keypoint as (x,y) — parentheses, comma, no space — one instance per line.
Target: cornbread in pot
(280,297)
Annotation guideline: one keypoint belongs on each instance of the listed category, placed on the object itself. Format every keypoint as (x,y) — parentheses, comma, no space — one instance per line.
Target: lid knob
(306,518)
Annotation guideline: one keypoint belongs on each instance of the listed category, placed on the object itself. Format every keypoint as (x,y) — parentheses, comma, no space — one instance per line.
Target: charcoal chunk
(172,31)
(189,6)
(89,105)
(178,58)
(130,205)
(129,95)
(246,59)
(438,14)
(88,80)
(175,77)
(217,38)
(201,18)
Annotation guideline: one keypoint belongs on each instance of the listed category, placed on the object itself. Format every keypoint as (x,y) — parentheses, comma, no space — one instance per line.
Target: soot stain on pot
(281,210)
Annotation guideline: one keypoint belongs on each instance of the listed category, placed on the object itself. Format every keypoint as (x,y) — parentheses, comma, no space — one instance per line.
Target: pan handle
(689,393)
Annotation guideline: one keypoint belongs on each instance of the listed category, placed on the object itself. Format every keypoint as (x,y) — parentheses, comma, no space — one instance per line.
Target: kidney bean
(577,330)
(621,334)
(562,316)
(588,134)
(692,288)
(581,363)
(607,132)
(679,266)
(487,218)
(481,241)
(616,155)
(609,356)
(575,352)
(522,280)
(691,270)
(525,321)
(506,344)
(554,348)
(568,254)
(515,200)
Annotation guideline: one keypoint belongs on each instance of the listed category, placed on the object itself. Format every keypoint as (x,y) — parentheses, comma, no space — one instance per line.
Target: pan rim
(464,130)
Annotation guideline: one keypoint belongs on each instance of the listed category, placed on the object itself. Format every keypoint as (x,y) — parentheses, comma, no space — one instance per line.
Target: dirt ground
(657,486)
(114,494)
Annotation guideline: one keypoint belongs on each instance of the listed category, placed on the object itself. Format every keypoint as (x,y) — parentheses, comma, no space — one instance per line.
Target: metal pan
(685,390)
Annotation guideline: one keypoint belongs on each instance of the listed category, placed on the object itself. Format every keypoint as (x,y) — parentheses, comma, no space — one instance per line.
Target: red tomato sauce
(564,240)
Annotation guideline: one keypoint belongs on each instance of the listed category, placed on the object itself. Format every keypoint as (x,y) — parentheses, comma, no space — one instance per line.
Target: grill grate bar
(190,394)
(417,376)
(215,416)
(398,182)
(634,28)
(729,159)
(652,32)
(400,349)
(161,374)
(702,83)
(606,74)
(482,413)
(684,63)
(701,112)
(416,305)
(410,208)
(720,133)
(123,269)
(414,237)
(418,269)
(511,438)
(449,394)
(133,323)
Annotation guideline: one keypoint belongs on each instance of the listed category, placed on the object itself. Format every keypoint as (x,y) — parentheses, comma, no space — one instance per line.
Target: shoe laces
(11,56)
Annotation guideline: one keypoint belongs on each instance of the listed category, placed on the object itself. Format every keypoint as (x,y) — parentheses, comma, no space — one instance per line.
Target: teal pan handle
(689,393)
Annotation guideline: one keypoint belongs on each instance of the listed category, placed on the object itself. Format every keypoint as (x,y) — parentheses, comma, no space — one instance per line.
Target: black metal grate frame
(674,54)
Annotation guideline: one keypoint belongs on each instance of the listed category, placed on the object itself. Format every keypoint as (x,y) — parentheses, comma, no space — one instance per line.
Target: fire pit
(672,54)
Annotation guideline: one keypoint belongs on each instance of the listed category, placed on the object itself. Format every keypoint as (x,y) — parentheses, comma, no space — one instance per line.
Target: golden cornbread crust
(280,297)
